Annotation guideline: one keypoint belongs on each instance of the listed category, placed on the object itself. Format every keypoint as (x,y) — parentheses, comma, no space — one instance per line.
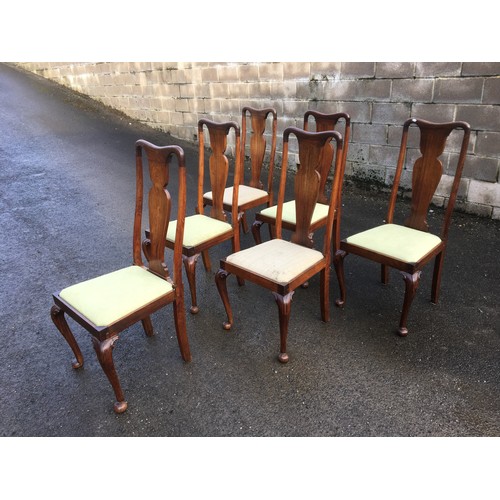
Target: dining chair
(108,304)
(280,265)
(409,246)
(202,231)
(323,122)
(253,193)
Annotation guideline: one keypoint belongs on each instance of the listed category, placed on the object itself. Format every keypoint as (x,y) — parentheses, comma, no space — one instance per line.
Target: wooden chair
(253,194)
(108,304)
(323,122)
(279,265)
(202,232)
(409,247)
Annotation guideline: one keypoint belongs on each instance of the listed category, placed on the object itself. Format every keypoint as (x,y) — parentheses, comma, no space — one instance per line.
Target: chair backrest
(324,122)
(159,207)
(428,169)
(258,144)
(307,182)
(218,167)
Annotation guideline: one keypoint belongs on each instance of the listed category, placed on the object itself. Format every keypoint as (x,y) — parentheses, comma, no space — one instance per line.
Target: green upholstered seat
(320,212)
(399,242)
(108,298)
(277,260)
(198,229)
(246,194)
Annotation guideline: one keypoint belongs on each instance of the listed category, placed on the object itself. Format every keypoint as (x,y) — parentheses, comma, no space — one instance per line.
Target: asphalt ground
(66,208)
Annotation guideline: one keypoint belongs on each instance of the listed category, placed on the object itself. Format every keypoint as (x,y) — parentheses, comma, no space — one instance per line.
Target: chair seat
(398,242)
(199,229)
(277,260)
(246,194)
(289,216)
(106,299)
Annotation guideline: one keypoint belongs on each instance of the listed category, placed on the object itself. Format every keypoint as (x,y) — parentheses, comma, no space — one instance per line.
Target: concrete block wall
(379,96)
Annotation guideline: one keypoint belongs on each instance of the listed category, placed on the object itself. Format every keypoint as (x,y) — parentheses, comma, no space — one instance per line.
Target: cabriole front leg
(59,320)
(104,351)
(220,281)
(284,303)
(325,294)
(436,277)
(180,324)
(411,285)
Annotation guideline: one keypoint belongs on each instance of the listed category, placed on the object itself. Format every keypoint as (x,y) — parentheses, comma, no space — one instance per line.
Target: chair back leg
(256,231)
(180,324)
(338,262)
(436,277)
(325,294)
(147,325)
(207,264)
(384,274)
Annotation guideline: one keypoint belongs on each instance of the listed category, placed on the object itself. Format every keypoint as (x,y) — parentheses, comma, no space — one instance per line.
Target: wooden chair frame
(427,173)
(218,166)
(105,337)
(258,144)
(324,122)
(306,190)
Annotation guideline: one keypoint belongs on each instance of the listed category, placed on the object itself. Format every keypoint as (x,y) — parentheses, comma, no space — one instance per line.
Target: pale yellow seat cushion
(398,242)
(198,229)
(246,194)
(108,298)
(289,216)
(277,260)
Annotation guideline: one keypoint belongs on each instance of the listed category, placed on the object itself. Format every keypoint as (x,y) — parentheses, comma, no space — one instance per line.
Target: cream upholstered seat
(246,194)
(108,298)
(289,215)
(279,261)
(199,229)
(396,242)
(280,265)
